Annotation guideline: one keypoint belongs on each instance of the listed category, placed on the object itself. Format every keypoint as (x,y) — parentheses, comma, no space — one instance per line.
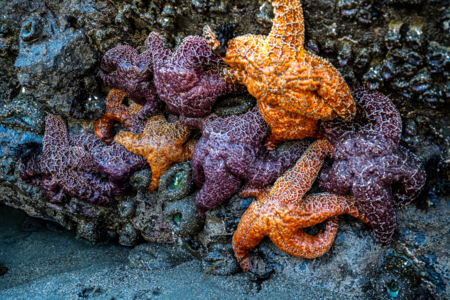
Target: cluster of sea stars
(66,169)
(231,150)
(116,111)
(294,89)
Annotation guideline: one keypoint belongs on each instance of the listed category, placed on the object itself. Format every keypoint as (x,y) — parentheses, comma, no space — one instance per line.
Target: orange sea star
(116,111)
(294,88)
(283,210)
(162,144)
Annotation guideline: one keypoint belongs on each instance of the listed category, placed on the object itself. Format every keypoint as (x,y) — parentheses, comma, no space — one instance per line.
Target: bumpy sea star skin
(115,111)
(294,88)
(115,162)
(124,69)
(188,79)
(368,160)
(162,144)
(283,210)
(231,150)
(69,170)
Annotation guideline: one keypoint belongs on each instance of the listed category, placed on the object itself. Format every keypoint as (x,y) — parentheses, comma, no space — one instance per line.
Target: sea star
(115,162)
(283,210)
(124,69)
(368,161)
(188,79)
(231,150)
(69,170)
(294,87)
(115,111)
(162,144)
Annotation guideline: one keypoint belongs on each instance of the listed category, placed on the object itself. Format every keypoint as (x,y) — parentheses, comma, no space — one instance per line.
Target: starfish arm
(315,209)
(160,54)
(88,141)
(329,94)
(287,126)
(250,232)
(336,179)
(253,191)
(112,79)
(103,187)
(411,178)
(150,107)
(193,122)
(81,160)
(131,141)
(333,130)
(297,181)
(145,61)
(159,164)
(55,136)
(117,56)
(52,190)
(304,245)
(234,76)
(194,52)
(264,170)
(210,38)
(376,201)
(103,128)
(219,185)
(384,118)
(287,28)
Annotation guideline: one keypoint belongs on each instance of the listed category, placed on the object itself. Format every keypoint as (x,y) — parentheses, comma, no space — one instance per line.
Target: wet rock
(265,14)
(32,225)
(234,105)
(24,113)
(415,35)
(3,270)
(155,256)
(128,235)
(397,277)
(51,61)
(220,260)
(393,36)
(88,230)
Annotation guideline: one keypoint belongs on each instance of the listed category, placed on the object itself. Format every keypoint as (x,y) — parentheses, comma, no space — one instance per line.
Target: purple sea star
(124,69)
(231,150)
(67,169)
(115,162)
(368,161)
(188,79)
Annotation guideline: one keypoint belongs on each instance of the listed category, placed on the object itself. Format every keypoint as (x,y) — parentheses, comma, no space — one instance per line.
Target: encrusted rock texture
(50,55)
